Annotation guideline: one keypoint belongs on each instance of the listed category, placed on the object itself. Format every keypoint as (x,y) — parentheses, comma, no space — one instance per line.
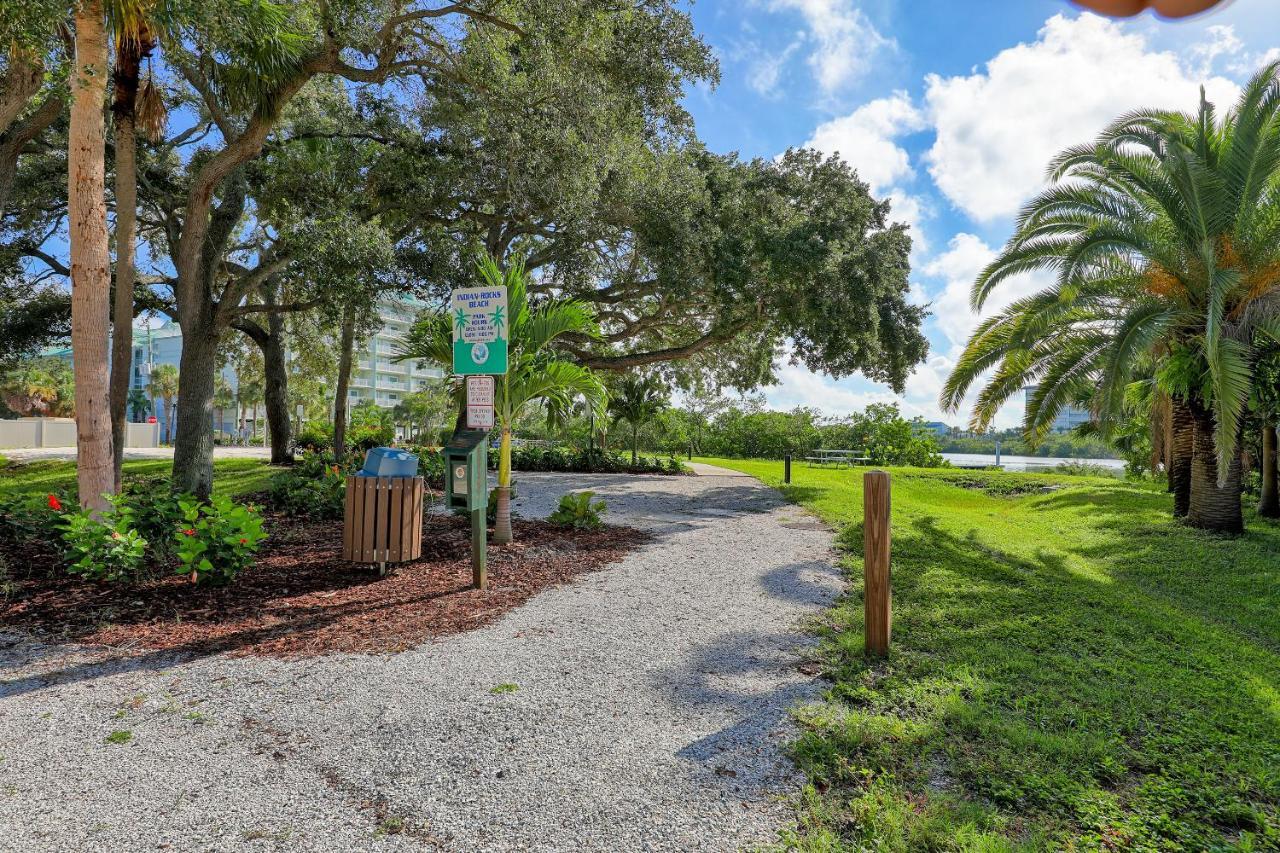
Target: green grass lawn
(1070,669)
(230,476)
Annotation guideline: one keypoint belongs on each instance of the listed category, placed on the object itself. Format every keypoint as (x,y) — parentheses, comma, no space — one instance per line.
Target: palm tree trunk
(345,347)
(1214,507)
(1181,446)
(635,444)
(502,523)
(129,53)
(90,264)
(1269,502)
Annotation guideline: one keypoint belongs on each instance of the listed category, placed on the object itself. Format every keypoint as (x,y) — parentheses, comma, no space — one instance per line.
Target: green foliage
(1082,469)
(39,387)
(314,488)
(879,431)
(565,460)
(371,426)
(106,549)
(153,511)
(314,436)
(1071,670)
(577,510)
(1161,238)
(504,688)
(119,736)
(217,539)
(33,517)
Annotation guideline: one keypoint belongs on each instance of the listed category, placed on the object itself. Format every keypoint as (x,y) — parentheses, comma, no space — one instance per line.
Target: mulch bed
(301,599)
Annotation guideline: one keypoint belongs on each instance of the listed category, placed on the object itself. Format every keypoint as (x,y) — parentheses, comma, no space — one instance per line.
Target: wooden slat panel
(357,521)
(370,514)
(419,512)
(394,534)
(348,533)
(381,519)
(417,515)
(406,532)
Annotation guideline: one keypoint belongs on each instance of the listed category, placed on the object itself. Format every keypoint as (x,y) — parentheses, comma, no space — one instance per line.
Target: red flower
(189,532)
(55,504)
(244,541)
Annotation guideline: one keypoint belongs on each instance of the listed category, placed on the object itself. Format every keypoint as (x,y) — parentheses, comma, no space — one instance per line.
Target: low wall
(61,432)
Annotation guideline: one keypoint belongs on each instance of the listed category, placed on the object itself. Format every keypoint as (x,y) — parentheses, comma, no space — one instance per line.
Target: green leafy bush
(577,511)
(314,436)
(315,488)
(1083,469)
(219,538)
(31,518)
(153,510)
(565,460)
(106,548)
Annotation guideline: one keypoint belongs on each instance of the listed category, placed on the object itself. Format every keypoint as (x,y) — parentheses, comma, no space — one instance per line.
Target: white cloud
(844,40)
(997,128)
(765,72)
(1223,41)
(865,140)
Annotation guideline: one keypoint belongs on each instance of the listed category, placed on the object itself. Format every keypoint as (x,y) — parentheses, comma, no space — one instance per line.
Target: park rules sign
(480,335)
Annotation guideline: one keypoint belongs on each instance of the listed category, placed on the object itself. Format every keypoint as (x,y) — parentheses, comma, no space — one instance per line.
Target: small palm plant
(636,400)
(537,373)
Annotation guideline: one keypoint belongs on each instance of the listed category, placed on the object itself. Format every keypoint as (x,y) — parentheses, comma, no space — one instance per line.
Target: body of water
(1025,463)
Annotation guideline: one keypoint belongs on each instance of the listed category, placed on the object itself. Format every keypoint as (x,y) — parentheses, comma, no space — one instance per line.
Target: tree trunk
(90,264)
(128,64)
(1214,507)
(193,443)
(276,392)
(346,347)
(1269,503)
(635,445)
(1181,445)
(502,522)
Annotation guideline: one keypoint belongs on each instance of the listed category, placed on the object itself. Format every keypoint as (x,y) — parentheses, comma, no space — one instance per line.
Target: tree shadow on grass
(1043,686)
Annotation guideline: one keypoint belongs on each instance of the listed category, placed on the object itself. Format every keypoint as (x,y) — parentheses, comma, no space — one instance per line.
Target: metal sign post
(480,343)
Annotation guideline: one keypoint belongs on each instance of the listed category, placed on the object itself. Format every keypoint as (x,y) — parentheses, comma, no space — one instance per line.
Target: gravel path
(650,702)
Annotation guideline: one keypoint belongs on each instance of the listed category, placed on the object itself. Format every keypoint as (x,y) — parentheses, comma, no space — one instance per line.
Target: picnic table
(838,457)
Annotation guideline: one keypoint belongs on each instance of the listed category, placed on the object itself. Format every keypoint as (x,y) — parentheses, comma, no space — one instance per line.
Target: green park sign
(479,331)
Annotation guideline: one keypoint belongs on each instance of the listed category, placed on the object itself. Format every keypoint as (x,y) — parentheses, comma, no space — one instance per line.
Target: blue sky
(951,108)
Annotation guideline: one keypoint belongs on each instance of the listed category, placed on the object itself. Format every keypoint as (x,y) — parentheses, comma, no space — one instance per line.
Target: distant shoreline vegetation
(1064,445)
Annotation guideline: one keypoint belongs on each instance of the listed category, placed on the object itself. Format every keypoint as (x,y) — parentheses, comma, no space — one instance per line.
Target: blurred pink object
(1163,8)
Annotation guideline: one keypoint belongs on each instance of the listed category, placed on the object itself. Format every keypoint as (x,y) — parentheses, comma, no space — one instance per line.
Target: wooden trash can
(383,520)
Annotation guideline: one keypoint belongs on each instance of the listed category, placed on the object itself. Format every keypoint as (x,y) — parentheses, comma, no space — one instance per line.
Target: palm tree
(635,400)
(1164,236)
(90,263)
(134,103)
(536,373)
(164,386)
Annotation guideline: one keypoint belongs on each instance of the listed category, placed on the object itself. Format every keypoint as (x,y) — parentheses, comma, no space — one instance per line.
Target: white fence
(61,432)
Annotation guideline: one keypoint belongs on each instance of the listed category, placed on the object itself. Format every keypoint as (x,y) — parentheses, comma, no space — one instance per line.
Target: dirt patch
(301,599)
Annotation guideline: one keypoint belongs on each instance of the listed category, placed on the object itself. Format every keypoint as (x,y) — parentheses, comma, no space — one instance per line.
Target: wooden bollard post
(786,468)
(877,593)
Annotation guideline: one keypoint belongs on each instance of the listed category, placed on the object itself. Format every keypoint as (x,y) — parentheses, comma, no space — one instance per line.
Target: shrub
(314,435)
(315,488)
(577,511)
(1083,469)
(106,548)
(32,518)
(564,460)
(154,512)
(218,540)
(363,437)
